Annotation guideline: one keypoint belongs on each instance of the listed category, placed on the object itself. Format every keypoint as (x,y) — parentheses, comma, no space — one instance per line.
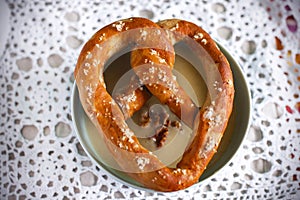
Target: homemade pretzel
(153,54)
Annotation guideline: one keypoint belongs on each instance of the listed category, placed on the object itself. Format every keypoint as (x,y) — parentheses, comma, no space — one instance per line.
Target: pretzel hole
(178,135)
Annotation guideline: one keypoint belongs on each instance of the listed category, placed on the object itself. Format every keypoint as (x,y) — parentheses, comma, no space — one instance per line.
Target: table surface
(41,157)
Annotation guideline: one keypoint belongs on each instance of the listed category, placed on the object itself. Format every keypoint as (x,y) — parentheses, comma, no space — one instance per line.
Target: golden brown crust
(210,122)
(133,98)
(224,100)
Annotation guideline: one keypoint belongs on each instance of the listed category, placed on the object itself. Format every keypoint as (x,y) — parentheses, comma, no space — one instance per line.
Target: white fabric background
(40,154)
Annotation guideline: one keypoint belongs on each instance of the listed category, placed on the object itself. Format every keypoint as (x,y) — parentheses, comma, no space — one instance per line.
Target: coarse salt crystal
(162,60)
(151,70)
(85,71)
(96,62)
(210,143)
(175,27)
(98,46)
(143,34)
(209,113)
(88,55)
(198,35)
(204,41)
(153,52)
(119,25)
(142,162)
(102,37)
(128,134)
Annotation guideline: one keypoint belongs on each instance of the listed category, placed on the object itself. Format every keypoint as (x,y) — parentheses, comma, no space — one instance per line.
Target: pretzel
(154,43)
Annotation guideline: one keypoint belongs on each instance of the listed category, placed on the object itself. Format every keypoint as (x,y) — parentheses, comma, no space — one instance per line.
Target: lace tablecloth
(41,157)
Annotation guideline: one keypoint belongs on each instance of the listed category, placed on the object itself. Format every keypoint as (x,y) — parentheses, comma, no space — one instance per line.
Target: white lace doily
(41,158)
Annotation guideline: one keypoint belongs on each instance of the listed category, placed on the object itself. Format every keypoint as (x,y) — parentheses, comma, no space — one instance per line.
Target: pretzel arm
(132,98)
(161,82)
(214,115)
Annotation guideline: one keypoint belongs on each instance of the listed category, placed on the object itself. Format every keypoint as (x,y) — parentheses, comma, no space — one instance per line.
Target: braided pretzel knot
(153,54)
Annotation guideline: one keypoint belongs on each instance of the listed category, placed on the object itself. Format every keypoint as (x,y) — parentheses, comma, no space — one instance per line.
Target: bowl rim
(231,59)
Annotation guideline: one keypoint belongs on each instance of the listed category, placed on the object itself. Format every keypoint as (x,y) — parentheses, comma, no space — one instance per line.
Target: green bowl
(233,137)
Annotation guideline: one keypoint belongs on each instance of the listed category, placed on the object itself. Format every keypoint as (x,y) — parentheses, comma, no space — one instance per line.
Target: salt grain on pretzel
(209,122)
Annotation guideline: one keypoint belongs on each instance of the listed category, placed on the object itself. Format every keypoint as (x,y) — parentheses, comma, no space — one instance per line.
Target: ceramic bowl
(230,144)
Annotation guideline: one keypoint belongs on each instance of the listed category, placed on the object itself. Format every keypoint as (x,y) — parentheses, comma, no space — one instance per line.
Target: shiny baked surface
(152,60)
